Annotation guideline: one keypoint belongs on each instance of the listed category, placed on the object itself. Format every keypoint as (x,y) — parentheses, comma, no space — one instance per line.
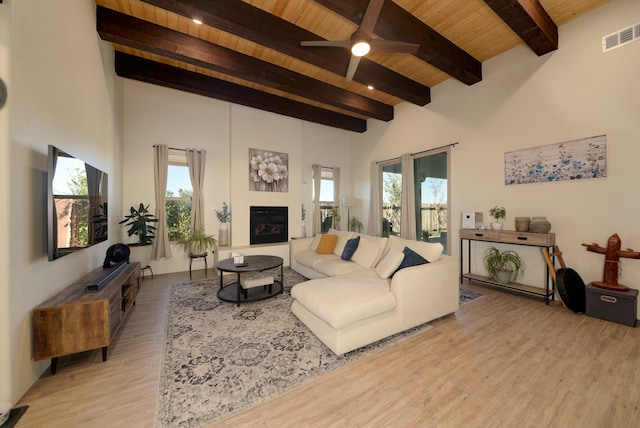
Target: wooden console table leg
(104,353)
(54,365)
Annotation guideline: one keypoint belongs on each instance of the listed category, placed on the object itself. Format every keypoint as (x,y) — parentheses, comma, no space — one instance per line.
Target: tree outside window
(178,202)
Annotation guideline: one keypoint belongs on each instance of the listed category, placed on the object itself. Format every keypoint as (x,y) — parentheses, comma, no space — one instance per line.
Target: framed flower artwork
(571,160)
(268,171)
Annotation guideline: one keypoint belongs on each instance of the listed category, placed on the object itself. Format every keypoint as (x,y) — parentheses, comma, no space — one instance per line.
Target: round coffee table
(232,291)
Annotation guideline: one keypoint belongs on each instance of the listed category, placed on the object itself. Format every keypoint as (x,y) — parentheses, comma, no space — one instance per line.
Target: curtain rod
(436,148)
(419,153)
(172,148)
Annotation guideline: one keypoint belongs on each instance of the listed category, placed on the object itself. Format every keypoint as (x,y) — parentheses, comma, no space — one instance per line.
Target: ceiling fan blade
(327,43)
(371,16)
(353,66)
(378,45)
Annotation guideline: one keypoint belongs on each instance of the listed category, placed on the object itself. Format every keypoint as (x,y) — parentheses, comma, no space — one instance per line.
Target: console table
(511,237)
(75,320)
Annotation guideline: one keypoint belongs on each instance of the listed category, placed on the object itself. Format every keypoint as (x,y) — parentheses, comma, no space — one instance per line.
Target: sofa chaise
(350,302)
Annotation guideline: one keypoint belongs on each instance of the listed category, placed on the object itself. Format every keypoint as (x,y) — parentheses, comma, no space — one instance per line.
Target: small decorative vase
(304,230)
(496,226)
(540,225)
(523,224)
(223,234)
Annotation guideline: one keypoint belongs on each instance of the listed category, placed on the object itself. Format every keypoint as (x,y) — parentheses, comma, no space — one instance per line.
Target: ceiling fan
(361,42)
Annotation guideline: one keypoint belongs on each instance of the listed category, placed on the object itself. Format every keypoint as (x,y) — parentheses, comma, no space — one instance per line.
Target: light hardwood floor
(503,360)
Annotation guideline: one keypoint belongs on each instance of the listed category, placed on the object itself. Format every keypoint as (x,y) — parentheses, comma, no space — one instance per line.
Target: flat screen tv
(76,204)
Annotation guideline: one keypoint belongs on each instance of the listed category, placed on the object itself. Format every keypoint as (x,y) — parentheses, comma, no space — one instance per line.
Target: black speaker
(117,253)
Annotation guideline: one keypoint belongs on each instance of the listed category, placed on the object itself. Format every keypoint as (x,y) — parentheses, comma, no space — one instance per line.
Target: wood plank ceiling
(248,52)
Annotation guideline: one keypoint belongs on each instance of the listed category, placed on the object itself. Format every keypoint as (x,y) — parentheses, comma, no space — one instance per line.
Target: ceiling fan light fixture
(360,48)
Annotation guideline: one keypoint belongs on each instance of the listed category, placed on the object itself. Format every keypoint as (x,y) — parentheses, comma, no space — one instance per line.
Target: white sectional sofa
(348,304)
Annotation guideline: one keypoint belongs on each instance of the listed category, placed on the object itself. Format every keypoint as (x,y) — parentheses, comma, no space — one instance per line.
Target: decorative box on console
(472,220)
(611,305)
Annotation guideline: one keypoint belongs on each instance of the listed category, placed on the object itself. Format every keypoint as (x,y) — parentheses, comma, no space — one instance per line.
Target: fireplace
(269,224)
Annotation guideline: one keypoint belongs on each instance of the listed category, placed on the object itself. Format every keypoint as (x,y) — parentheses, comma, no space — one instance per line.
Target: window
(430,188)
(326,199)
(391,198)
(178,201)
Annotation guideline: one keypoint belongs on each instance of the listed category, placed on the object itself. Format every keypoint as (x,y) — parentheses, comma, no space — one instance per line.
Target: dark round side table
(232,292)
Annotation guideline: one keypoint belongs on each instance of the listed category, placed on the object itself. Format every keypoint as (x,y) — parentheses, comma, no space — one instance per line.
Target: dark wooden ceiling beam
(395,23)
(530,21)
(134,67)
(266,29)
(136,33)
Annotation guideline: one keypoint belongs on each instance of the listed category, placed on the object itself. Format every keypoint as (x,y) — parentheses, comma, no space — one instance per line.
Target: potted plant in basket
(498,213)
(503,266)
(140,223)
(198,243)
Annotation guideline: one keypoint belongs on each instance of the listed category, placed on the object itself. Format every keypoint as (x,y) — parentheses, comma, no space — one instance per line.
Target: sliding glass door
(431,184)
(391,198)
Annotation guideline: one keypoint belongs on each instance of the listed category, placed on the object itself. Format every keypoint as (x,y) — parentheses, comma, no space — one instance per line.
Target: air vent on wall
(621,37)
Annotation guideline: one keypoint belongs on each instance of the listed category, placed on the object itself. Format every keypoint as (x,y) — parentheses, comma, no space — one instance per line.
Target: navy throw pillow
(411,258)
(350,247)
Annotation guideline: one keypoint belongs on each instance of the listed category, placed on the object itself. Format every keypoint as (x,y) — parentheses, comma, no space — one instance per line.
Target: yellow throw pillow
(327,244)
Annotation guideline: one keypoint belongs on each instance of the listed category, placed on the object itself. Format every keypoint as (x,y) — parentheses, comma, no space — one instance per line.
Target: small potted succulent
(498,213)
(503,266)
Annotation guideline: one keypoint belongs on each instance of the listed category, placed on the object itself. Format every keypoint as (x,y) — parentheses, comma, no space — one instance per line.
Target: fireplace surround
(268,225)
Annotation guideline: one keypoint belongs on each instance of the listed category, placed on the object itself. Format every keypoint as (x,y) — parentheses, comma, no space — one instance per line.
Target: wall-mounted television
(77,199)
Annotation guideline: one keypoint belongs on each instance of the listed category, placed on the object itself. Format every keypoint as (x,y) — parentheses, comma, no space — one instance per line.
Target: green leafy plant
(224,215)
(503,261)
(498,213)
(355,225)
(198,242)
(140,223)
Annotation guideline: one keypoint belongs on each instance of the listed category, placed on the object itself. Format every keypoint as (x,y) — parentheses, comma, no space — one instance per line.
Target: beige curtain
(196,163)
(317,177)
(375,212)
(161,248)
(407,213)
(336,194)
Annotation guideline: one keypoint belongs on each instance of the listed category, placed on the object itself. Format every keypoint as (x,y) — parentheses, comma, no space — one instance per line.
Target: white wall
(5,151)
(157,115)
(526,101)
(62,92)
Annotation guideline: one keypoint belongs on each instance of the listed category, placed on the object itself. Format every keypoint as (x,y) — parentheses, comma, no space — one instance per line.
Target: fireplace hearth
(268,225)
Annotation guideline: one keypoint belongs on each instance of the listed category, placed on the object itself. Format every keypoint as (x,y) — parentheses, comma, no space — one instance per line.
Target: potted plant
(503,266)
(498,213)
(224,217)
(198,243)
(335,215)
(355,225)
(140,223)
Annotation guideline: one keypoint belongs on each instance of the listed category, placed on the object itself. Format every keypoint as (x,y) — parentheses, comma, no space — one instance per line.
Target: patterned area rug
(468,295)
(220,359)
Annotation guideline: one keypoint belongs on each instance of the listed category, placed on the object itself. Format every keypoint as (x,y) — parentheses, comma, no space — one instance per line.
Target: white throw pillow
(315,242)
(429,250)
(343,237)
(367,253)
(389,264)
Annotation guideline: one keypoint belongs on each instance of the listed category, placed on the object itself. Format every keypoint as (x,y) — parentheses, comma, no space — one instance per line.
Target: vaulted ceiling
(249,52)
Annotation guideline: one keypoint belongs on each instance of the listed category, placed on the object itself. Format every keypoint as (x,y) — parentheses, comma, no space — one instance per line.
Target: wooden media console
(76,320)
